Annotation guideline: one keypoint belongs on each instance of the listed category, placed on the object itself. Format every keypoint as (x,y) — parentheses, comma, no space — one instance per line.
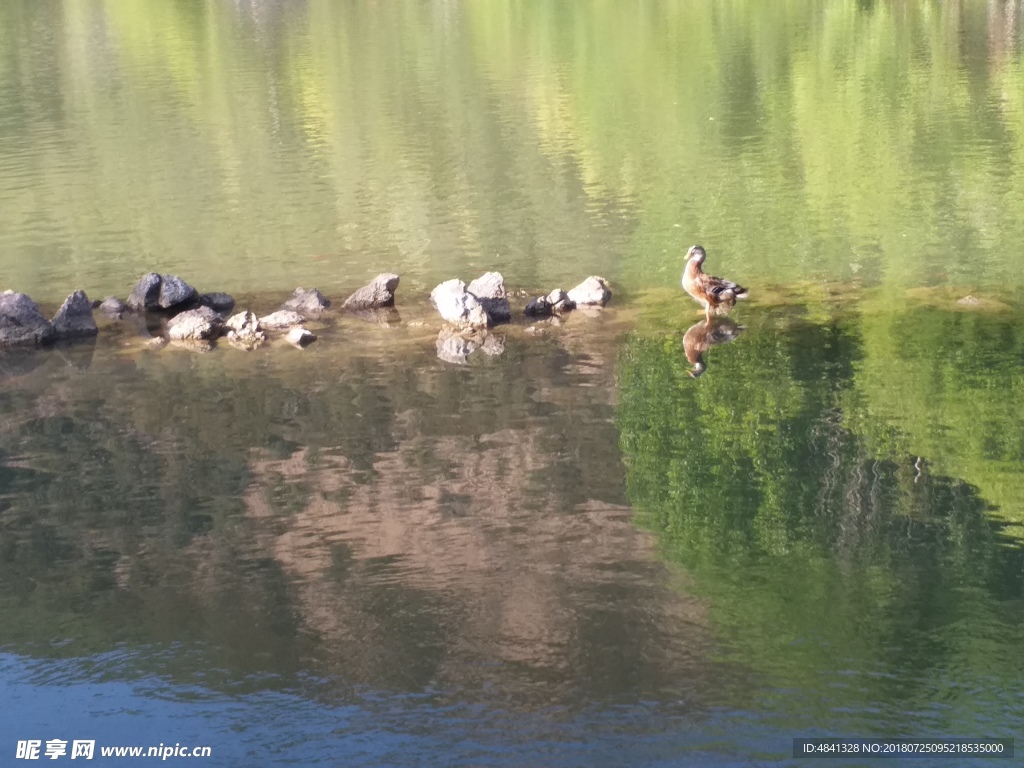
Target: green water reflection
(839,556)
(255,145)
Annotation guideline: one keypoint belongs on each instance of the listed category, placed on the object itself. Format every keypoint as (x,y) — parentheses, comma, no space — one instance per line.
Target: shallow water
(570,551)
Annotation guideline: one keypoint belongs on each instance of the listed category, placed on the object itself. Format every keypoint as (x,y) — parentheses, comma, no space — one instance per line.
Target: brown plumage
(703,336)
(717,295)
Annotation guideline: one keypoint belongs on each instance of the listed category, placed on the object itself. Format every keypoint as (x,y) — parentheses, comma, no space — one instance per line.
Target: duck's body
(705,335)
(717,295)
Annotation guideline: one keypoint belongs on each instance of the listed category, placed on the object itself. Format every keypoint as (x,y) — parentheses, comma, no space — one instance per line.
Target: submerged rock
(200,324)
(494,344)
(244,329)
(21,322)
(281,320)
(307,301)
(74,318)
(146,293)
(594,291)
(489,289)
(112,307)
(218,302)
(455,347)
(969,301)
(458,306)
(175,292)
(300,337)
(386,317)
(378,293)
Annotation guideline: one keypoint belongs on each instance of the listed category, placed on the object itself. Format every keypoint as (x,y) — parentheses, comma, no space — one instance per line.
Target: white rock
(458,306)
(593,290)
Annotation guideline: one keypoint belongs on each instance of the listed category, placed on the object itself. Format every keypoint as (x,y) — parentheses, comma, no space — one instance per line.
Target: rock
(218,302)
(200,324)
(174,292)
(536,329)
(494,345)
(560,301)
(969,301)
(146,293)
(21,322)
(74,318)
(459,307)
(112,307)
(593,290)
(386,317)
(489,289)
(244,330)
(307,301)
(379,292)
(538,307)
(281,320)
(454,347)
(300,337)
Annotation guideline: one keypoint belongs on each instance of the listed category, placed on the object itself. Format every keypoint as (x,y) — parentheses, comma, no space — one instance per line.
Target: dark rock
(281,320)
(560,301)
(594,291)
(200,324)
(218,302)
(112,307)
(21,322)
(146,293)
(307,301)
(175,292)
(379,292)
(74,318)
(459,307)
(489,288)
(538,307)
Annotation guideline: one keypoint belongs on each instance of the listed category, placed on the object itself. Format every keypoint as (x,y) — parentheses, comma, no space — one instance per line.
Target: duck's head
(696,253)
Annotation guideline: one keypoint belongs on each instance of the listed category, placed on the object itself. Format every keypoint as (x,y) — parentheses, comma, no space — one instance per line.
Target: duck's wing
(724,290)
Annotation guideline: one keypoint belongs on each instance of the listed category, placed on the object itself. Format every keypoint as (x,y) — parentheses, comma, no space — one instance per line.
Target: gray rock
(281,320)
(538,307)
(21,322)
(594,290)
(307,301)
(300,337)
(455,347)
(146,293)
(175,292)
(218,302)
(113,307)
(560,301)
(200,324)
(494,344)
(74,318)
(379,292)
(489,288)
(459,307)
(244,330)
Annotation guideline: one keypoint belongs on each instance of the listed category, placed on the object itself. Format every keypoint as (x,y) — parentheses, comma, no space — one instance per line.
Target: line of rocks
(192,317)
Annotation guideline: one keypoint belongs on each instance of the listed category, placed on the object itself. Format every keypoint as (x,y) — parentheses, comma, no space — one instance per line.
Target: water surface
(570,552)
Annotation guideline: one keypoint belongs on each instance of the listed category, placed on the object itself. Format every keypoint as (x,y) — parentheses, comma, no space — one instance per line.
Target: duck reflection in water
(703,336)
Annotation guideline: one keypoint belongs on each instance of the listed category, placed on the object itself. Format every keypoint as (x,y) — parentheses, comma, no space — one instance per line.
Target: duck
(706,334)
(717,295)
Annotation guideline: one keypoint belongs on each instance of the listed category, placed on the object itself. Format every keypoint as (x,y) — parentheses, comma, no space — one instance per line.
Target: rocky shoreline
(184,316)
